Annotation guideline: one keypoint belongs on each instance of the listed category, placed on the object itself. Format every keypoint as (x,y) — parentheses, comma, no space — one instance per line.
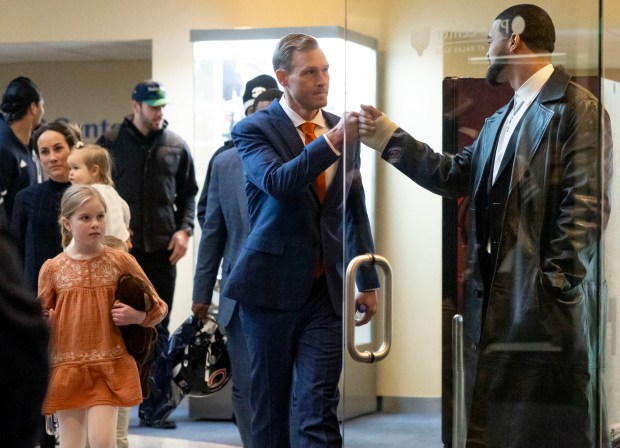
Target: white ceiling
(75,51)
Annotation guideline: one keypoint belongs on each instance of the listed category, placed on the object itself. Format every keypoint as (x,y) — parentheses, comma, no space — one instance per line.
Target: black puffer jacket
(155,175)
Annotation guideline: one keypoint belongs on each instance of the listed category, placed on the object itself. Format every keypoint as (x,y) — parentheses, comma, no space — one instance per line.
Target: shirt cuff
(331,146)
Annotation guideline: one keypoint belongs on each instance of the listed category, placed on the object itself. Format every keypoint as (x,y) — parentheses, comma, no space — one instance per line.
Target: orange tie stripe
(321,186)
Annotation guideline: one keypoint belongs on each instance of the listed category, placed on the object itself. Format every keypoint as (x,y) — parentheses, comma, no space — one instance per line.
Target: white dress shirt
(524,97)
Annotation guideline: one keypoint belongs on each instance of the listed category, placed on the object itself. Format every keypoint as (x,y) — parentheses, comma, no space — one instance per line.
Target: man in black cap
(154,173)
(22,111)
(253,88)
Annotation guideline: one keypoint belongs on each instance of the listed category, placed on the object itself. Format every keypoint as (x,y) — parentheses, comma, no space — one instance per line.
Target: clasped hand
(123,314)
(370,125)
(347,127)
(375,128)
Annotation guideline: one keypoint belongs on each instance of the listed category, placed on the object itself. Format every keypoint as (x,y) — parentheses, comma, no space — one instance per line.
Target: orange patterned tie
(308,129)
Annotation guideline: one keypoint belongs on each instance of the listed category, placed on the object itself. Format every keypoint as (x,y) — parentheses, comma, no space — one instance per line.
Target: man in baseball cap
(154,173)
(151,93)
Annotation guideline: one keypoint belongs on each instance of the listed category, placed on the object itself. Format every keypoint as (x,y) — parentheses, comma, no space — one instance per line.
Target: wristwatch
(188,230)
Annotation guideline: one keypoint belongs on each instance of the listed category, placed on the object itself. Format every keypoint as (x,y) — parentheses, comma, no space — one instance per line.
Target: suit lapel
(283,126)
(239,188)
(528,137)
(491,133)
(536,121)
(331,120)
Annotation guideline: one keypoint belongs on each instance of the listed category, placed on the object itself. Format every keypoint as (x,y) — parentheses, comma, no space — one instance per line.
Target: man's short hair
(532,23)
(283,54)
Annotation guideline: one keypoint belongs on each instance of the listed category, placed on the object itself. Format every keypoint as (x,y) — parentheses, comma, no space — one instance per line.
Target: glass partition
(510,228)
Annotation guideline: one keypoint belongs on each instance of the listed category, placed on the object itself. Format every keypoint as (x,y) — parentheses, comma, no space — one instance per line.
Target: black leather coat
(534,349)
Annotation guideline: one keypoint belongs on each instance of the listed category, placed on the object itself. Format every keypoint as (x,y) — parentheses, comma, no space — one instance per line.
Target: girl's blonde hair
(73,198)
(95,155)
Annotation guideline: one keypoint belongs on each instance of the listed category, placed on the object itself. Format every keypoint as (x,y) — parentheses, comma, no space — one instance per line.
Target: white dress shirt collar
(318,119)
(532,87)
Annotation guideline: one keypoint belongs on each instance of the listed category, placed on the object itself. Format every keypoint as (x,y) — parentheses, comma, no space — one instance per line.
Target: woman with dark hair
(34,223)
(22,111)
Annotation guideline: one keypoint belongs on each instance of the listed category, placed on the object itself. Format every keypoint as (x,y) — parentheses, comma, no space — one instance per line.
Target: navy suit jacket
(290,230)
(225,229)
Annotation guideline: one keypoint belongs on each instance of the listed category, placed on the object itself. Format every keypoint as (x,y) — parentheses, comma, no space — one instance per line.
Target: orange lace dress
(89,363)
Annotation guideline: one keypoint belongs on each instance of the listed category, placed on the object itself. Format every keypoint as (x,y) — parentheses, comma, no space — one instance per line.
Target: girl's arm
(46,292)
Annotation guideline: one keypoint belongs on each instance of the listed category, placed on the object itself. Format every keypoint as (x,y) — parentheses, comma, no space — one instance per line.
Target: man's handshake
(370,125)
(375,128)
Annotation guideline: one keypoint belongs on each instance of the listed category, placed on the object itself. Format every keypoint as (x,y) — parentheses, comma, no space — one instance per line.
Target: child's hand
(50,315)
(125,315)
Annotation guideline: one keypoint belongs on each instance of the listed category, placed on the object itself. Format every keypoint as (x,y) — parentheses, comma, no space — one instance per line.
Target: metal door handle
(459,424)
(349,308)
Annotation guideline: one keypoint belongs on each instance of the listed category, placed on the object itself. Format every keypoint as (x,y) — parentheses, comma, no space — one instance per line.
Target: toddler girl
(92,373)
(91,165)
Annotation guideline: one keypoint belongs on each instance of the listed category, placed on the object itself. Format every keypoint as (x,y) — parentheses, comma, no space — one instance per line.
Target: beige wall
(408,218)
(95,95)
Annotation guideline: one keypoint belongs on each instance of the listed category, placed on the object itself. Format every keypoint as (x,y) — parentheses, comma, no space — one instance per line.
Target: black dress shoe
(166,424)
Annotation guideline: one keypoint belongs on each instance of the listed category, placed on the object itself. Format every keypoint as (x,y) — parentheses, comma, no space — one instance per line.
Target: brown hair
(286,47)
(69,131)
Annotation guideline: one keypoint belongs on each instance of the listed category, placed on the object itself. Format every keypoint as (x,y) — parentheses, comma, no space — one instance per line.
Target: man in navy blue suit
(301,185)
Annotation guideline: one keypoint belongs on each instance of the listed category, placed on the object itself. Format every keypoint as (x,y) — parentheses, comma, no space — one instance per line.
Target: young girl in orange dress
(92,373)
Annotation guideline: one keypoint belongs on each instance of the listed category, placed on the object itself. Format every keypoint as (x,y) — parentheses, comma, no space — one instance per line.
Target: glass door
(523,252)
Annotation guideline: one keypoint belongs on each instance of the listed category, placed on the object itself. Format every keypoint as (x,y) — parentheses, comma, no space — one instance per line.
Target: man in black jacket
(253,88)
(21,112)
(534,291)
(154,173)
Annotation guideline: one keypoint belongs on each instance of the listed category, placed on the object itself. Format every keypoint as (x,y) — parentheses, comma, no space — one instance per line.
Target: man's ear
(515,41)
(135,106)
(282,77)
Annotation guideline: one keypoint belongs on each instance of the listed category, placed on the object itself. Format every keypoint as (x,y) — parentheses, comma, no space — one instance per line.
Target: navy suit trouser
(295,357)
(240,365)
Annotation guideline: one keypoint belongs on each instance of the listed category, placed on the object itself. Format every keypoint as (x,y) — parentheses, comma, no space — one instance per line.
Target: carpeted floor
(372,431)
